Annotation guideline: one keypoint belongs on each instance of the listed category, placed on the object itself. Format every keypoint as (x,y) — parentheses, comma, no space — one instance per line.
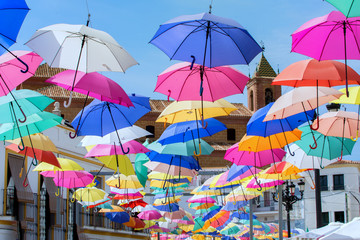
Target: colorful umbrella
(120,163)
(149,213)
(241,172)
(230,229)
(65,165)
(72,179)
(281,171)
(206,39)
(101,150)
(119,217)
(348,7)
(97,50)
(167,160)
(317,38)
(140,170)
(181,82)
(92,84)
(124,182)
(181,148)
(38,141)
(90,196)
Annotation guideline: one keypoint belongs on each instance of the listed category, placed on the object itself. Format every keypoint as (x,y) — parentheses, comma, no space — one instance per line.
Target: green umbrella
(140,170)
(257,225)
(350,8)
(35,123)
(162,191)
(30,101)
(207,210)
(230,229)
(199,223)
(324,146)
(182,148)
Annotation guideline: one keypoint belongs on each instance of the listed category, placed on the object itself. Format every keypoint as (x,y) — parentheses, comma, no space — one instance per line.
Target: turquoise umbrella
(350,8)
(30,101)
(325,146)
(230,229)
(182,148)
(35,123)
(140,170)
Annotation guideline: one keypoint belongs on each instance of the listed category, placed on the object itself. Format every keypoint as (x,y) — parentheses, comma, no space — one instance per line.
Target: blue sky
(133,23)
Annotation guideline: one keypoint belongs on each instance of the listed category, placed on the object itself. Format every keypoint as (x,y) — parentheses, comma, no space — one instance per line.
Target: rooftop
(264,68)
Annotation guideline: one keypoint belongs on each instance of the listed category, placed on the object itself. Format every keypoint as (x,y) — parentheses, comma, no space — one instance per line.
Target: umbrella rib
(186,79)
(356,39)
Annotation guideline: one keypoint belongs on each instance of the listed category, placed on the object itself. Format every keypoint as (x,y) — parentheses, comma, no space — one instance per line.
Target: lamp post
(289,198)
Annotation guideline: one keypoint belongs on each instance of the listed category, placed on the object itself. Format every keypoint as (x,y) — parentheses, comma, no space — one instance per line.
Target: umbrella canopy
(311,72)
(92,84)
(149,213)
(90,196)
(181,82)
(73,179)
(38,141)
(354,97)
(304,161)
(327,147)
(186,131)
(207,39)
(317,38)
(123,182)
(257,159)
(348,7)
(140,170)
(101,150)
(41,155)
(35,123)
(65,165)
(230,229)
(182,148)
(240,172)
(191,110)
(27,103)
(300,100)
(280,171)
(119,217)
(12,71)
(13,14)
(118,162)
(126,134)
(188,162)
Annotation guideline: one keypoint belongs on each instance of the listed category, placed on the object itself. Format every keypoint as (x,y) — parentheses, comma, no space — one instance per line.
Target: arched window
(151,129)
(231,134)
(268,96)
(251,103)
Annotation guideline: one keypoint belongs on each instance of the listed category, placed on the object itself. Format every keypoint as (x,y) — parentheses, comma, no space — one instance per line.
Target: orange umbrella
(282,171)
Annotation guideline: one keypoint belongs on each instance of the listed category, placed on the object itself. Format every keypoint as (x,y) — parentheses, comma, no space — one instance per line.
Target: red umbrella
(134,204)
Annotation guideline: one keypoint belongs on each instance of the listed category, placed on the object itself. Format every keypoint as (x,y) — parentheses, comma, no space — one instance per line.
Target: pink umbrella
(223,178)
(181,82)
(92,84)
(73,179)
(149,213)
(257,159)
(175,215)
(107,149)
(201,199)
(330,37)
(263,183)
(169,169)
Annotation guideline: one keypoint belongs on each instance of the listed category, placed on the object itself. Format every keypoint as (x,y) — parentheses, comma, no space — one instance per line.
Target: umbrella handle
(314,142)
(22,121)
(357,136)
(291,153)
(168,97)
(318,124)
(258,183)
(202,122)
(67,104)
(21,172)
(25,184)
(75,134)
(26,66)
(165,123)
(122,149)
(72,199)
(341,156)
(34,163)
(58,192)
(197,155)
(192,62)
(313,187)
(22,144)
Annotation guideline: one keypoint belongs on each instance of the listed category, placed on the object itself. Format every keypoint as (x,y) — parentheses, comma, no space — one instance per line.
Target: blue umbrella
(237,170)
(186,131)
(182,180)
(170,194)
(177,160)
(210,214)
(119,217)
(241,215)
(207,40)
(100,118)
(169,207)
(12,16)
(231,206)
(257,127)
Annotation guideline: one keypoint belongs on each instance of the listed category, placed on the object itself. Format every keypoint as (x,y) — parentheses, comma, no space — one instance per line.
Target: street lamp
(289,198)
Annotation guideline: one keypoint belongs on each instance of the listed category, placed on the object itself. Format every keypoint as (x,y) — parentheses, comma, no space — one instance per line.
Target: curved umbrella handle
(22,144)
(67,104)
(22,121)
(192,62)
(95,210)
(291,153)
(25,184)
(122,149)
(313,187)
(21,172)
(318,124)
(341,156)
(76,132)
(314,142)
(357,136)
(168,97)
(202,122)
(258,183)
(34,163)
(197,155)
(165,123)
(26,66)
(72,199)
(58,192)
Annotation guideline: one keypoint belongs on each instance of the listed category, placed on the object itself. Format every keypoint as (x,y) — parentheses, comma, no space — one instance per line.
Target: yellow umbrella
(162,176)
(115,208)
(191,110)
(172,199)
(279,140)
(38,141)
(148,223)
(162,184)
(66,165)
(198,191)
(124,182)
(242,193)
(186,227)
(90,196)
(281,171)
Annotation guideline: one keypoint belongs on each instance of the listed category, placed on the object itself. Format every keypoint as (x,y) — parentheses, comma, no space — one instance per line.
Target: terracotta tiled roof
(159,105)
(45,71)
(220,146)
(343,162)
(54,91)
(264,69)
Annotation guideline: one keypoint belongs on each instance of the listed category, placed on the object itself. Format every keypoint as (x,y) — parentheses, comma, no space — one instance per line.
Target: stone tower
(260,92)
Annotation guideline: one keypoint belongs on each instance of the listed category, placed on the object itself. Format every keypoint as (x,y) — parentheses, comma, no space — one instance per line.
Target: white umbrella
(316,233)
(347,231)
(126,134)
(304,161)
(80,47)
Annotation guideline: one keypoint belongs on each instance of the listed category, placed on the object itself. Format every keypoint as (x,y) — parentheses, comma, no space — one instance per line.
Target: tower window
(150,129)
(268,96)
(251,103)
(231,134)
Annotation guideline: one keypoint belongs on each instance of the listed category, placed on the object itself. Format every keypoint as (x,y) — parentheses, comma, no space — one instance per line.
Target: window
(324,183)
(339,217)
(268,96)
(251,102)
(231,135)
(338,182)
(325,218)
(150,129)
